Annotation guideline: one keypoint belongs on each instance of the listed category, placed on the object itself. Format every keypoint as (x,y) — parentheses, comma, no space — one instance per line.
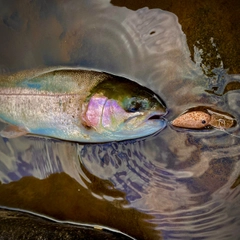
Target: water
(179,184)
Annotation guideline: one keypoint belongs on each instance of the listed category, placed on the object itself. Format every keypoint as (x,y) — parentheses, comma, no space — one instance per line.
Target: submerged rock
(17,225)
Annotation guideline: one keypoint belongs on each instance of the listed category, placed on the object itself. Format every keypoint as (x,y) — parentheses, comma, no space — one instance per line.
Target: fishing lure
(204,118)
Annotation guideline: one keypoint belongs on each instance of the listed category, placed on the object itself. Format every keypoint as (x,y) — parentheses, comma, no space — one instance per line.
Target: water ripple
(180,184)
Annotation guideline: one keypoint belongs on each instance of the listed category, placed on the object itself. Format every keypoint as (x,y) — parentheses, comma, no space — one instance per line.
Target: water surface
(178,184)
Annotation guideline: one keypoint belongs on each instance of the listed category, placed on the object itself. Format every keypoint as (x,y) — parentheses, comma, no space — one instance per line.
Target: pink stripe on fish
(95,110)
(112,112)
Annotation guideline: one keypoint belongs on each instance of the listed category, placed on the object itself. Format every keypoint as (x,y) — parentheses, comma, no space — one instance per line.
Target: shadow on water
(179,184)
(62,198)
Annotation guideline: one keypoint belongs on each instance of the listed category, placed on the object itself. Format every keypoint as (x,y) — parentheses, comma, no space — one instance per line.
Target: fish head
(119,109)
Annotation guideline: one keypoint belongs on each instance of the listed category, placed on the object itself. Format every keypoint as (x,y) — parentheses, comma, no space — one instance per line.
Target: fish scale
(37,109)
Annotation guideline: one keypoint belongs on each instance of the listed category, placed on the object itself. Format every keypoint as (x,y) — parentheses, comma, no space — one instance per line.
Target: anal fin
(11,131)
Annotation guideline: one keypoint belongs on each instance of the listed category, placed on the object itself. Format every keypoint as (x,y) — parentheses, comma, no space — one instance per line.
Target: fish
(204,117)
(81,105)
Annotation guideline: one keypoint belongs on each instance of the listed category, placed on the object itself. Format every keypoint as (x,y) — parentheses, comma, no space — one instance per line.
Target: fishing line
(222,127)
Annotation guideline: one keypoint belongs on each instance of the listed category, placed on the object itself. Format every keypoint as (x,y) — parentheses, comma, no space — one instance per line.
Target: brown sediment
(202,21)
(63,198)
(232,86)
(236,183)
(18,225)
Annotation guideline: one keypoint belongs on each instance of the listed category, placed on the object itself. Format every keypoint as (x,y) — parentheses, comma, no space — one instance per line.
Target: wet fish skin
(56,103)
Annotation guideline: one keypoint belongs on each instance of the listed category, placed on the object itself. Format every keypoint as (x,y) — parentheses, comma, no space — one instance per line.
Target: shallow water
(178,184)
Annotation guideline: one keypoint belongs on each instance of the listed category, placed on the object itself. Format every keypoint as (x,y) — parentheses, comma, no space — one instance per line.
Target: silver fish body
(55,103)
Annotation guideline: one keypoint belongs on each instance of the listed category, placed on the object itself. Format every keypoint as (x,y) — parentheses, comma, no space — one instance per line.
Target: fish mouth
(155,116)
(146,118)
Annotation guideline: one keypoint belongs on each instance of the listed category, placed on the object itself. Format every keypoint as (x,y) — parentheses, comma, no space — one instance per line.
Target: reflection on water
(57,185)
(179,184)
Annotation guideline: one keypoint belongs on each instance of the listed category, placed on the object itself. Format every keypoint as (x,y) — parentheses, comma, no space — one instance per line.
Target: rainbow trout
(78,105)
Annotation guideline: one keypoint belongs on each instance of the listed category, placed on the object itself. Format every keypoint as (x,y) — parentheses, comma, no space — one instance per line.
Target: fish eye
(203,121)
(134,104)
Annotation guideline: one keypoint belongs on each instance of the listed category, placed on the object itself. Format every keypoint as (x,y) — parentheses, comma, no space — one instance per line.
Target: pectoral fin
(11,131)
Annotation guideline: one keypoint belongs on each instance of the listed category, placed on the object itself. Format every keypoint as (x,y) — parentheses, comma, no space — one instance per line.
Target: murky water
(179,184)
